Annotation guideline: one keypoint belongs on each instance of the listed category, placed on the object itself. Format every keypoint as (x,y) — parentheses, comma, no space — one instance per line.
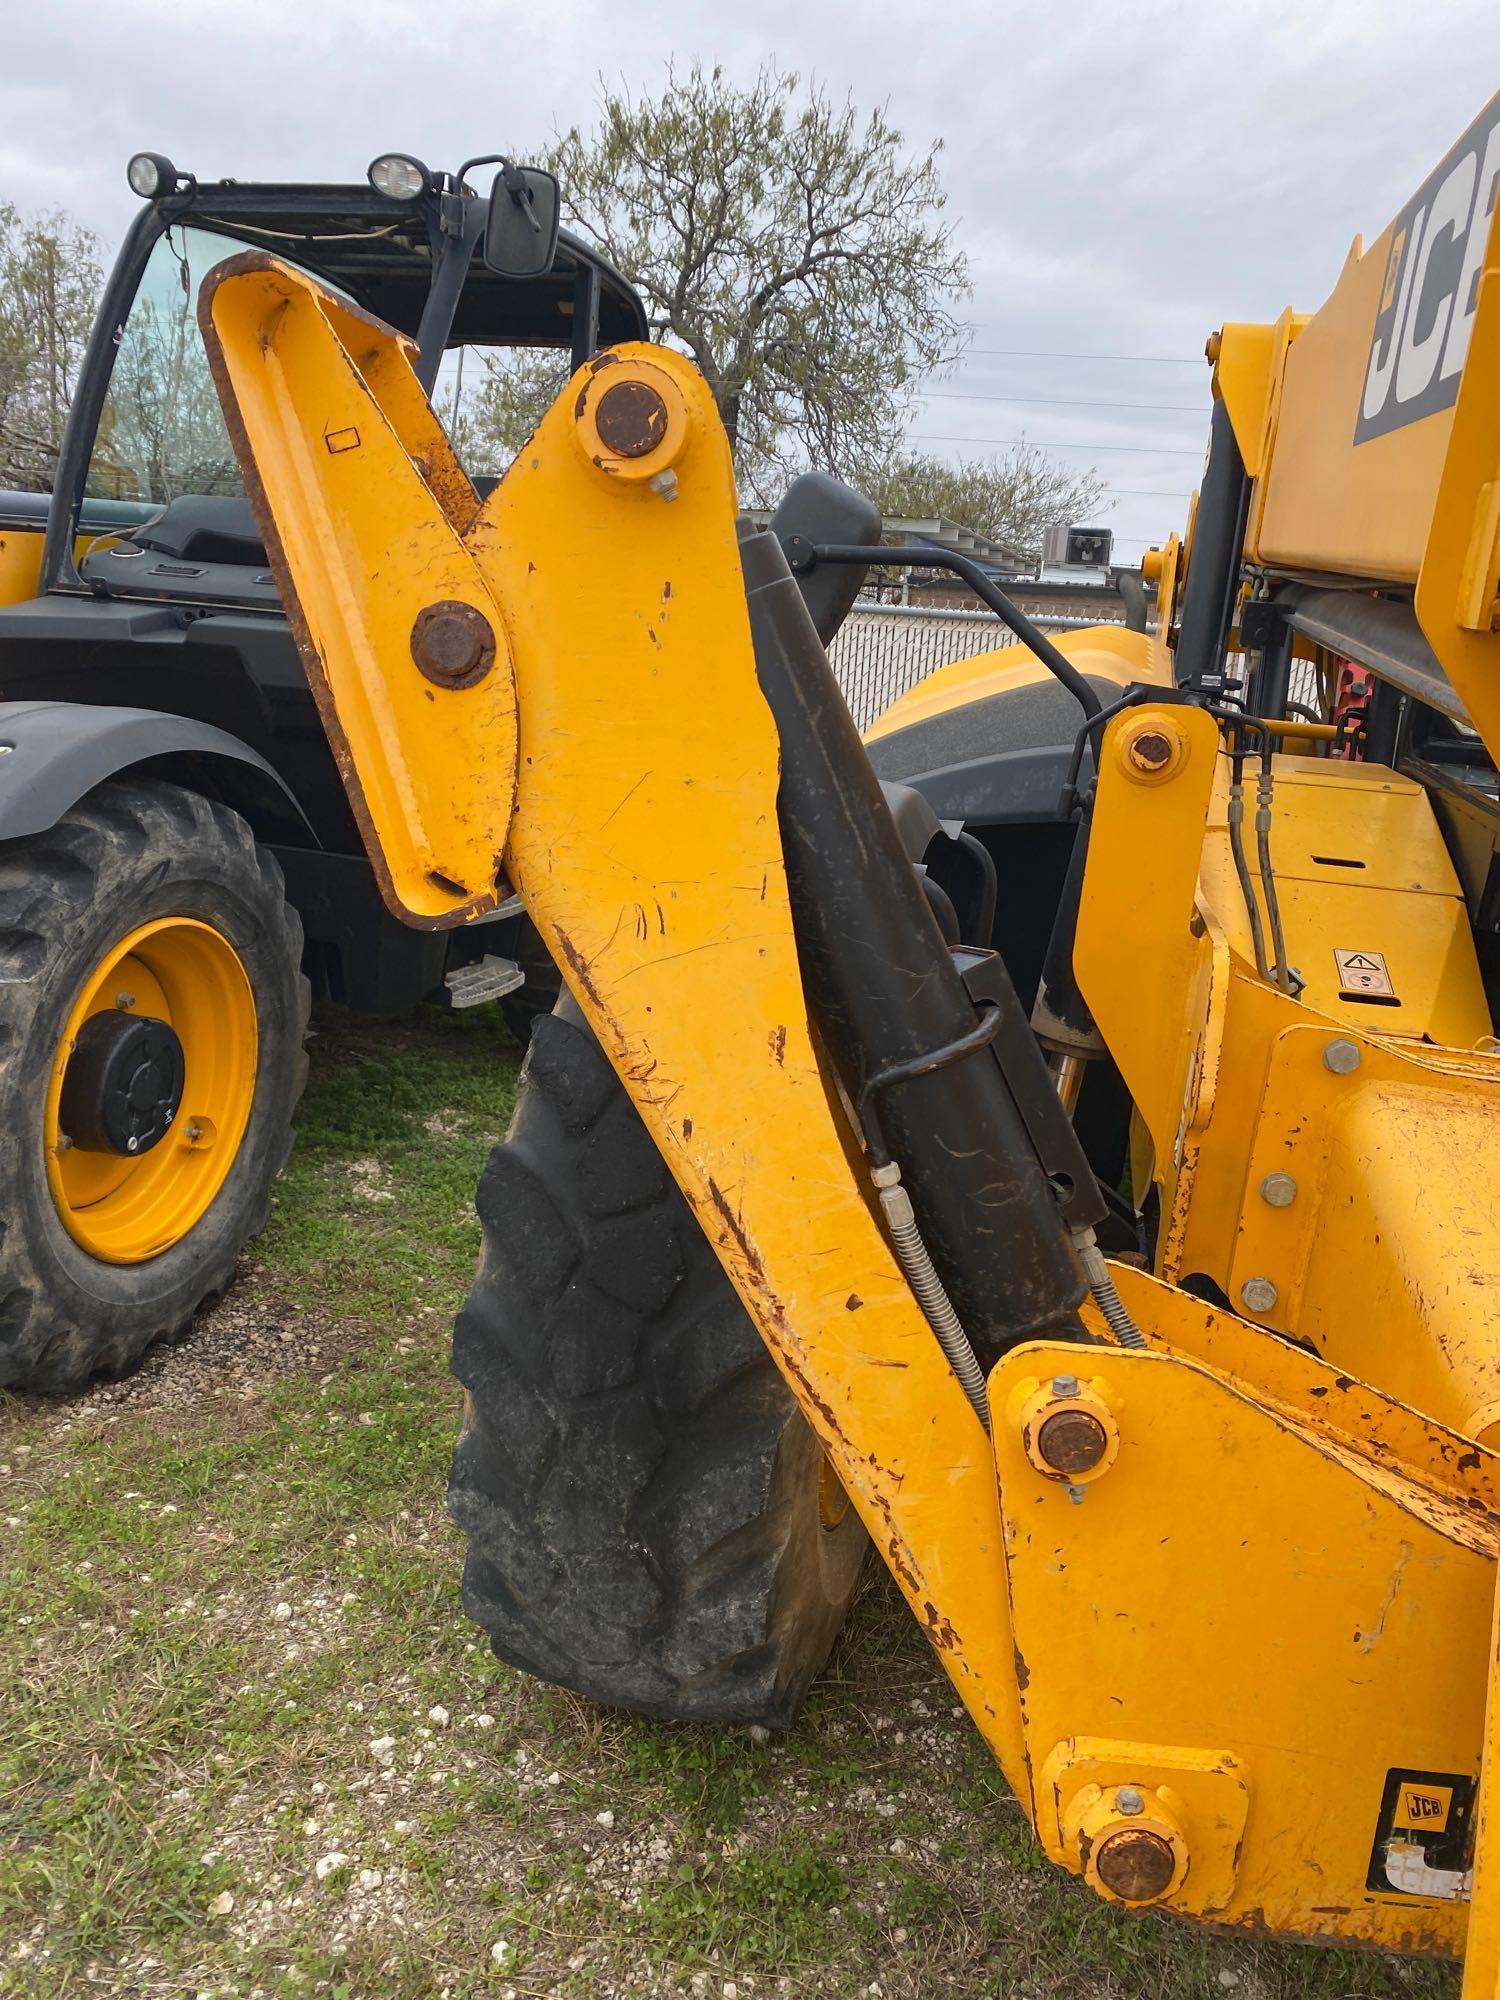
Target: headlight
(150,175)
(399,177)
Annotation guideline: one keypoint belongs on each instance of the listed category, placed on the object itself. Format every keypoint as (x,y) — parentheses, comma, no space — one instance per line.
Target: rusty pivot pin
(631,419)
(452,644)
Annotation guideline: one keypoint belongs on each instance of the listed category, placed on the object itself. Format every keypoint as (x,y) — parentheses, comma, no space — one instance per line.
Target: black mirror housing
(819,508)
(520,236)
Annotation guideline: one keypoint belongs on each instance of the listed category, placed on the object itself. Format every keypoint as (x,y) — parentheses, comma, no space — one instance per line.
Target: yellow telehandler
(1107,1158)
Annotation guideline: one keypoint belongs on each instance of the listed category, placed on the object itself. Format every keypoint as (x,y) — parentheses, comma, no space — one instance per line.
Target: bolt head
(1279,1190)
(1135,1864)
(1128,1801)
(1341,1056)
(452,644)
(124,1001)
(1258,1295)
(1071,1442)
(1065,1385)
(1151,750)
(631,419)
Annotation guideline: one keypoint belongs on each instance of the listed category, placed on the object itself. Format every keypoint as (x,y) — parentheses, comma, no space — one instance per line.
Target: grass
(251,1747)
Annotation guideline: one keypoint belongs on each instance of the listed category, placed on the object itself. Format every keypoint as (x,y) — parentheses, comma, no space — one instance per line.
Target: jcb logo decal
(1431,286)
(1424,1809)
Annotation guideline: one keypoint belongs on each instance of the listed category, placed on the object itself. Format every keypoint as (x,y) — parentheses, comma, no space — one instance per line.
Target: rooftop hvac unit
(1077,548)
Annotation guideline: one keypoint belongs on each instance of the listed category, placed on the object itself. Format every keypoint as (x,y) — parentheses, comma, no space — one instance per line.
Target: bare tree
(786,241)
(1012,498)
(49,282)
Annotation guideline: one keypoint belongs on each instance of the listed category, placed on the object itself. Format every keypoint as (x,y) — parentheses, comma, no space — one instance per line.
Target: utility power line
(1069,444)
(1073,402)
(1056,354)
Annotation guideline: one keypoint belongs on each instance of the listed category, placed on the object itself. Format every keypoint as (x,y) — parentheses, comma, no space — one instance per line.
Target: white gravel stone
(502,1951)
(383,1749)
(438,1714)
(282,1613)
(605,1819)
(326,1863)
(370,1878)
(221,1905)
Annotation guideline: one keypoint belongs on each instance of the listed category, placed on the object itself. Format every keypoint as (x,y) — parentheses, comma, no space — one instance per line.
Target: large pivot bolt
(1135,1864)
(1130,1839)
(631,421)
(123,1085)
(631,418)
(1151,746)
(1068,1430)
(452,644)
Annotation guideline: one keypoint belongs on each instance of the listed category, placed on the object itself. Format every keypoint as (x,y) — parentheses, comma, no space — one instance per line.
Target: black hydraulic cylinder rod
(1271,688)
(883,991)
(1213,575)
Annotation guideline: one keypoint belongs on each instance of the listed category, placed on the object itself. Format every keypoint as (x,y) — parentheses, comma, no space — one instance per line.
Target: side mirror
(520,236)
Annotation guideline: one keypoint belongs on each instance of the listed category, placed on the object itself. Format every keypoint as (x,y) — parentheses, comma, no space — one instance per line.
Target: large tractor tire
(152,1016)
(650,1520)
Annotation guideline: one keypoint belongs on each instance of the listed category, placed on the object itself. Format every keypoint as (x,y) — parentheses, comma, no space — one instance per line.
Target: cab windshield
(162,434)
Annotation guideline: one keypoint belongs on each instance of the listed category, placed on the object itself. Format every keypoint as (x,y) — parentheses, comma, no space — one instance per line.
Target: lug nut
(1071,1442)
(1151,750)
(1342,1057)
(1135,1864)
(1279,1190)
(1258,1295)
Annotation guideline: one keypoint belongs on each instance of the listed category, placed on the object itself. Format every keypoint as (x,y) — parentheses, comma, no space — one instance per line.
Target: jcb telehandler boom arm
(1187,1588)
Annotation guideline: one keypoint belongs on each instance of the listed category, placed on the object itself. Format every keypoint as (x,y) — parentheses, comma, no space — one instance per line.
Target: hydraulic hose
(1106,1297)
(927,1286)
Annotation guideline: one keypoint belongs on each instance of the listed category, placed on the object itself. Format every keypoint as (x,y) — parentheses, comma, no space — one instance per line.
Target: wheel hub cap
(123,1085)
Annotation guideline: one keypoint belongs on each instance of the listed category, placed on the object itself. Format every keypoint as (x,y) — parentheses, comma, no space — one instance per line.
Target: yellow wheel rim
(185,973)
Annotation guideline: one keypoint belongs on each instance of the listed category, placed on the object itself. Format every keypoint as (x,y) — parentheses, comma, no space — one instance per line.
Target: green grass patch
(375,1212)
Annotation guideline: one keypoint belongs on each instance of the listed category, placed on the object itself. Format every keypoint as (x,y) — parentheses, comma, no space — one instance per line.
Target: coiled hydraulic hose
(927,1286)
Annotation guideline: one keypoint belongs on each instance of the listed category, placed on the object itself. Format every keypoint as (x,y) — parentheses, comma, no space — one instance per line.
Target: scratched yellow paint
(644,841)
(362,487)
(1247,1590)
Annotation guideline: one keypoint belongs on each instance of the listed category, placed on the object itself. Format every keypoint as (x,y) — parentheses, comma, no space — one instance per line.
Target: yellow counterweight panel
(646,847)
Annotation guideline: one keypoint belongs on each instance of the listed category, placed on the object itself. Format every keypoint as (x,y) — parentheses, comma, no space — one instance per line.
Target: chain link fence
(882,650)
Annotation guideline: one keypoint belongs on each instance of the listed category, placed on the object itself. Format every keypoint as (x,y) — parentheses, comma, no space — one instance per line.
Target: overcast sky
(1124,176)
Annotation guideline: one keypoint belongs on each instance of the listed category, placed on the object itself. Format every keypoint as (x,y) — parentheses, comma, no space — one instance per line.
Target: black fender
(54,752)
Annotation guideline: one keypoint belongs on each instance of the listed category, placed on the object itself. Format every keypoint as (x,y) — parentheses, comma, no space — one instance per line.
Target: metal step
(487,979)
